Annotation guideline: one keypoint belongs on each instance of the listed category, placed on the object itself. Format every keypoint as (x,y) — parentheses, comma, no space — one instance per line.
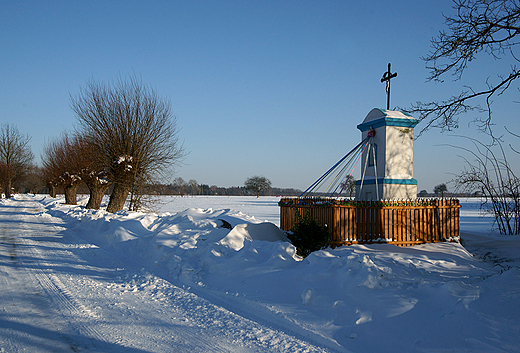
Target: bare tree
(257,184)
(490,174)
(349,186)
(50,174)
(3,174)
(52,168)
(34,181)
(15,156)
(440,189)
(180,185)
(478,27)
(62,163)
(194,187)
(490,27)
(138,200)
(50,180)
(92,170)
(70,160)
(132,128)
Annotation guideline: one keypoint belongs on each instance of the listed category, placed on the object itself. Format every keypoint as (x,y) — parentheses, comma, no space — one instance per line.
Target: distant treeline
(204,189)
(201,189)
(181,187)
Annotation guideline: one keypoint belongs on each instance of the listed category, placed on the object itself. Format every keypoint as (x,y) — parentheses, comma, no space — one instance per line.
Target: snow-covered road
(61,294)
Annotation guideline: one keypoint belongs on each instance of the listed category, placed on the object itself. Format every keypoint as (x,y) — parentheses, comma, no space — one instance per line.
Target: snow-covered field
(88,281)
(263,209)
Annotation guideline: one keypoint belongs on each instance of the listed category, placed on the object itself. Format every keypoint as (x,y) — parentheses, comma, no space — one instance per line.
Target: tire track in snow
(269,321)
(160,301)
(29,322)
(76,313)
(70,308)
(208,318)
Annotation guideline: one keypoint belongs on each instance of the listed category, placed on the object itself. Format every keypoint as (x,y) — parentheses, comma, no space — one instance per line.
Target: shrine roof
(381,117)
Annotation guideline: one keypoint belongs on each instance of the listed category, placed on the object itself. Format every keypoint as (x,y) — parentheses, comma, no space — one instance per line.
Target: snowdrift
(433,297)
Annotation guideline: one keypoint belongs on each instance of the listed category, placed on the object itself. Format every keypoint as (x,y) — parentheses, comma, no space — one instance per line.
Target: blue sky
(273,88)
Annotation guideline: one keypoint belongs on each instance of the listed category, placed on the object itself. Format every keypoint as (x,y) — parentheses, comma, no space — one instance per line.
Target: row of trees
(126,138)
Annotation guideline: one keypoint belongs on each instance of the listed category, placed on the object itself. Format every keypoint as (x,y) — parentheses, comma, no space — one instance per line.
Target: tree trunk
(70,194)
(52,191)
(97,191)
(8,188)
(118,197)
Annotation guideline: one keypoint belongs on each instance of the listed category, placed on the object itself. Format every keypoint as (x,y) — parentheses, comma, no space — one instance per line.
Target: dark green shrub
(308,235)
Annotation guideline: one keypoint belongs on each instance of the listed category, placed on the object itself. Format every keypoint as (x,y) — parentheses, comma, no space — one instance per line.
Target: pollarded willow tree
(132,128)
(479,27)
(16,157)
(62,166)
(93,171)
(71,160)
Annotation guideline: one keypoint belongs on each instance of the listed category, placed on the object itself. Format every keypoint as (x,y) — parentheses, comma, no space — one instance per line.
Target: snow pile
(262,231)
(433,297)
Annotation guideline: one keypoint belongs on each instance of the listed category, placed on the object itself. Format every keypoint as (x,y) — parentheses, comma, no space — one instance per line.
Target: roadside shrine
(385,208)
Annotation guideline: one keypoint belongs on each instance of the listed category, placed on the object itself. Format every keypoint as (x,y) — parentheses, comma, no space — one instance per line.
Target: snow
(85,280)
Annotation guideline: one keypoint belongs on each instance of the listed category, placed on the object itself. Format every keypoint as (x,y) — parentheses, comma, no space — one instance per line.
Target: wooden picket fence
(402,223)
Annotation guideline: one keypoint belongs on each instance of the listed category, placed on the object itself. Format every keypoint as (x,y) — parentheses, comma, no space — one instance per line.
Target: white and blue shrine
(385,155)
(387,159)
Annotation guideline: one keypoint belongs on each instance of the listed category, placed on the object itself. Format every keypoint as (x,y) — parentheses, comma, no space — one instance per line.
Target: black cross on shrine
(387,76)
